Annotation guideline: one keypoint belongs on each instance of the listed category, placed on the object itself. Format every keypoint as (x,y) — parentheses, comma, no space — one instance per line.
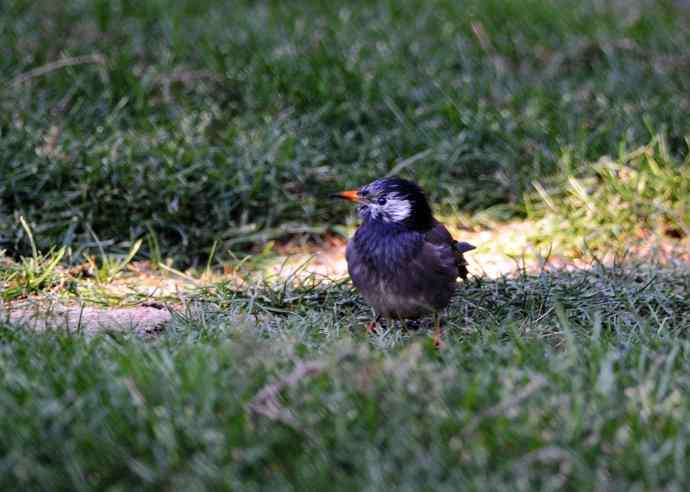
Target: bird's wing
(441,239)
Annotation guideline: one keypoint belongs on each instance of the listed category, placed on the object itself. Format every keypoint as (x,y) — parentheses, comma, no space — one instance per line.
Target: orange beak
(351,195)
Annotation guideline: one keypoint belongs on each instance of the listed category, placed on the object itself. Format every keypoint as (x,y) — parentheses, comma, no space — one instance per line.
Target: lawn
(202,121)
(573,381)
(197,141)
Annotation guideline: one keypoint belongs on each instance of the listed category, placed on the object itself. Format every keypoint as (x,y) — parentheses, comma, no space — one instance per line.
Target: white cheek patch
(396,209)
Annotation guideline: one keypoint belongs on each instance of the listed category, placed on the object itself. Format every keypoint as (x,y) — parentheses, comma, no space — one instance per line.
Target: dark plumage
(403,261)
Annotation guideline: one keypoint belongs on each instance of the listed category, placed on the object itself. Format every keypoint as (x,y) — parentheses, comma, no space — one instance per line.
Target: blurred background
(200,125)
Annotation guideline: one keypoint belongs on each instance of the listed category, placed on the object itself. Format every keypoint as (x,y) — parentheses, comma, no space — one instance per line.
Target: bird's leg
(438,330)
(373,325)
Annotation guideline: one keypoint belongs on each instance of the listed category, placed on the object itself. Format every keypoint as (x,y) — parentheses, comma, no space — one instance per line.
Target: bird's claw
(439,344)
(438,332)
(373,327)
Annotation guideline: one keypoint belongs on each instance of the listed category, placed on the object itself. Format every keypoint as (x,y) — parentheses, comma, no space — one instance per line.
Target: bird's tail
(462,247)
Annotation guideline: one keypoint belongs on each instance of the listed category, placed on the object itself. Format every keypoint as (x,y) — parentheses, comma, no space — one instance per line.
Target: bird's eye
(364,192)
(382,201)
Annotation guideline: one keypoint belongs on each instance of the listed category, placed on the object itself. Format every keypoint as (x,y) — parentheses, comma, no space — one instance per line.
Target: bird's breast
(385,252)
(391,275)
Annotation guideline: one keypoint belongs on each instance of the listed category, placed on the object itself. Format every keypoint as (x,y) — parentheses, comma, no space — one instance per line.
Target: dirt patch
(504,249)
(143,320)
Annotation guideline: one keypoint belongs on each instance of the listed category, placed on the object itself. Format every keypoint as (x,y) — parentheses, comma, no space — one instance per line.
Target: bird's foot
(373,327)
(439,344)
(439,331)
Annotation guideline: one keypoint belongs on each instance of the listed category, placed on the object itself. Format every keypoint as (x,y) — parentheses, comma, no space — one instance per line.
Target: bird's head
(392,200)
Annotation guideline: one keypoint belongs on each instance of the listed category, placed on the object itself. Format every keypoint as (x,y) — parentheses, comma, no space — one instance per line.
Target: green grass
(204,122)
(565,381)
(184,132)
(639,197)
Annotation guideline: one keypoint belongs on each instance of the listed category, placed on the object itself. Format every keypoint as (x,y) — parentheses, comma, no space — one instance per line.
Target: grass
(561,381)
(188,133)
(643,193)
(201,123)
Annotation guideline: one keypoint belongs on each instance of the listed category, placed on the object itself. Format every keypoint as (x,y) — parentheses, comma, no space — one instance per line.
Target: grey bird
(402,260)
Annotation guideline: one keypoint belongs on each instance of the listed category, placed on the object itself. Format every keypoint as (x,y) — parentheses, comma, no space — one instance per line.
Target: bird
(401,259)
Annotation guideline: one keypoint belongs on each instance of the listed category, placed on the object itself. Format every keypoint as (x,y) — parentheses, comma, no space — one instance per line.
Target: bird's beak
(351,195)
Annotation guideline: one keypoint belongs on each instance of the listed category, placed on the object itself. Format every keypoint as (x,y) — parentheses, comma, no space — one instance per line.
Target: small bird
(403,261)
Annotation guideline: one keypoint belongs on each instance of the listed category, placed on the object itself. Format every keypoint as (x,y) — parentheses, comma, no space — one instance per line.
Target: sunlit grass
(616,202)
